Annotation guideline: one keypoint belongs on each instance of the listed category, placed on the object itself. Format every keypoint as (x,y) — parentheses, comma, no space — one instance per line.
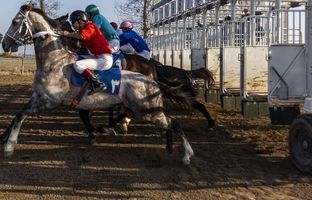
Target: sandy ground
(242,158)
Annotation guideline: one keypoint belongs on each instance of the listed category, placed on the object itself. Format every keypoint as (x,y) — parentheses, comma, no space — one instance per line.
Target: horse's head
(71,44)
(64,24)
(25,26)
(17,33)
(62,19)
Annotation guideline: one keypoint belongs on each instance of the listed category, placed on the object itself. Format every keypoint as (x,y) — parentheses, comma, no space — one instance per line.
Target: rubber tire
(300,143)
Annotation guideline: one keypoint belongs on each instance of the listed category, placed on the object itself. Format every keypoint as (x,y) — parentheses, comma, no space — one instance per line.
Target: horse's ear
(62,19)
(29,6)
(26,7)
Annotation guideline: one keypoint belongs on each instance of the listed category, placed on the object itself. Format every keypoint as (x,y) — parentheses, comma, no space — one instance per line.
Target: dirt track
(239,159)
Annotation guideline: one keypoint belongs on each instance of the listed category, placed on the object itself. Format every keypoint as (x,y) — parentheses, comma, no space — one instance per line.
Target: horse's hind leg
(186,145)
(200,107)
(123,118)
(173,126)
(113,121)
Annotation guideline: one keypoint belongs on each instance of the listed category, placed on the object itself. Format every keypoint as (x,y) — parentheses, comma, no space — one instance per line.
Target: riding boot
(91,76)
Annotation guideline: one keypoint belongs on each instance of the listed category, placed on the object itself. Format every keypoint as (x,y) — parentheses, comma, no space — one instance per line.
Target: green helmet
(92,9)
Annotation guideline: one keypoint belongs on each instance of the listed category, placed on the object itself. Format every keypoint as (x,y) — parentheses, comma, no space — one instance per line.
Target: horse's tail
(202,73)
(173,91)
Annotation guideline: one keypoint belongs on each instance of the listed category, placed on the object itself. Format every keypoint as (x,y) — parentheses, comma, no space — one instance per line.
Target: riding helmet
(126,24)
(114,25)
(92,9)
(78,15)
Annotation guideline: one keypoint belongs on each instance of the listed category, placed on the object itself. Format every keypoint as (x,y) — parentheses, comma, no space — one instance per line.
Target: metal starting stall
(260,54)
(230,38)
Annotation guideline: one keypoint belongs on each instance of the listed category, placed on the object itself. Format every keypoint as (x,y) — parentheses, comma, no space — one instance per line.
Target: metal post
(176,34)
(203,39)
(193,33)
(170,35)
(278,16)
(233,10)
(184,33)
(23,67)
(308,43)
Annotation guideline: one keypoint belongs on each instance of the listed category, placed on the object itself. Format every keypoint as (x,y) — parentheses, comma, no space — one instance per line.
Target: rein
(24,39)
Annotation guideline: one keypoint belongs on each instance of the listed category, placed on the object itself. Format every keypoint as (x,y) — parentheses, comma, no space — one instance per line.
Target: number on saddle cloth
(111,78)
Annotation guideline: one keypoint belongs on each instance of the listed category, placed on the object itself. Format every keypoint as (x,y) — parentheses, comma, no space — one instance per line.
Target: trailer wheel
(300,143)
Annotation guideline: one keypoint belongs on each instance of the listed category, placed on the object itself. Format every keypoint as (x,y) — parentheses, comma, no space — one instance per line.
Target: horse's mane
(52,22)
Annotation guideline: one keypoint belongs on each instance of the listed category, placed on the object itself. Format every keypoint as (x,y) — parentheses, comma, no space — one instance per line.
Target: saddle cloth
(111,78)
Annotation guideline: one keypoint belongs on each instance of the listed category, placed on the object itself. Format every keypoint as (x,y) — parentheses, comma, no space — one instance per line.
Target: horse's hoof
(8,154)
(169,149)
(110,131)
(124,125)
(211,128)
(186,161)
(92,139)
(127,120)
(124,128)
(100,130)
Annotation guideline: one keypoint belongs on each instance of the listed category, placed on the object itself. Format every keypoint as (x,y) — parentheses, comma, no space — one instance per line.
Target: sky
(10,9)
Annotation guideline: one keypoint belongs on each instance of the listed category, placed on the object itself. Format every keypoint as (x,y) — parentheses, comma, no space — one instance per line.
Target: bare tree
(137,11)
(50,7)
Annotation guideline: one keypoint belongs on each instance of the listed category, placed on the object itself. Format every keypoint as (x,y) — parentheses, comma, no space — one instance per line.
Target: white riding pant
(100,62)
(114,44)
(127,48)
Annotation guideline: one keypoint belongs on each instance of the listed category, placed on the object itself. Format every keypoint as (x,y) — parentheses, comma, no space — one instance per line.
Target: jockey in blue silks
(132,42)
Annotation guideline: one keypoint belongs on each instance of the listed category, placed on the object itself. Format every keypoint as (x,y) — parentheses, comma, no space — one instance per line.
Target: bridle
(27,37)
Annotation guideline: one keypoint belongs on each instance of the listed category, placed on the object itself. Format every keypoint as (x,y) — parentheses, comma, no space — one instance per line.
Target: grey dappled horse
(139,95)
(153,69)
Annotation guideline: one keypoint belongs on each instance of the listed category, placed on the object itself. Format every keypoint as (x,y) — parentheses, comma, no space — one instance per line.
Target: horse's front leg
(85,118)
(10,135)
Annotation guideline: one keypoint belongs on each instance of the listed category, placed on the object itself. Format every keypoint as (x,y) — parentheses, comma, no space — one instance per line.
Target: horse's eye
(14,22)
(17,19)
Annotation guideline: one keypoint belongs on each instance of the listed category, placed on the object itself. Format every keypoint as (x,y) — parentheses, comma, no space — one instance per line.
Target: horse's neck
(51,60)
(137,64)
(48,51)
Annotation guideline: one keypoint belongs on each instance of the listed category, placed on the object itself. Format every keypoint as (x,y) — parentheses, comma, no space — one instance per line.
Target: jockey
(108,31)
(132,42)
(89,34)
(115,26)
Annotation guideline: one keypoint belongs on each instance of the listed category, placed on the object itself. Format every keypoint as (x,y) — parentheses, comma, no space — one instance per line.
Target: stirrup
(101,86)
(98,87)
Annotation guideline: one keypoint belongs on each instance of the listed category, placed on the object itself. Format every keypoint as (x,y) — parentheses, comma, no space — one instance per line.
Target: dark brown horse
(164,74)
